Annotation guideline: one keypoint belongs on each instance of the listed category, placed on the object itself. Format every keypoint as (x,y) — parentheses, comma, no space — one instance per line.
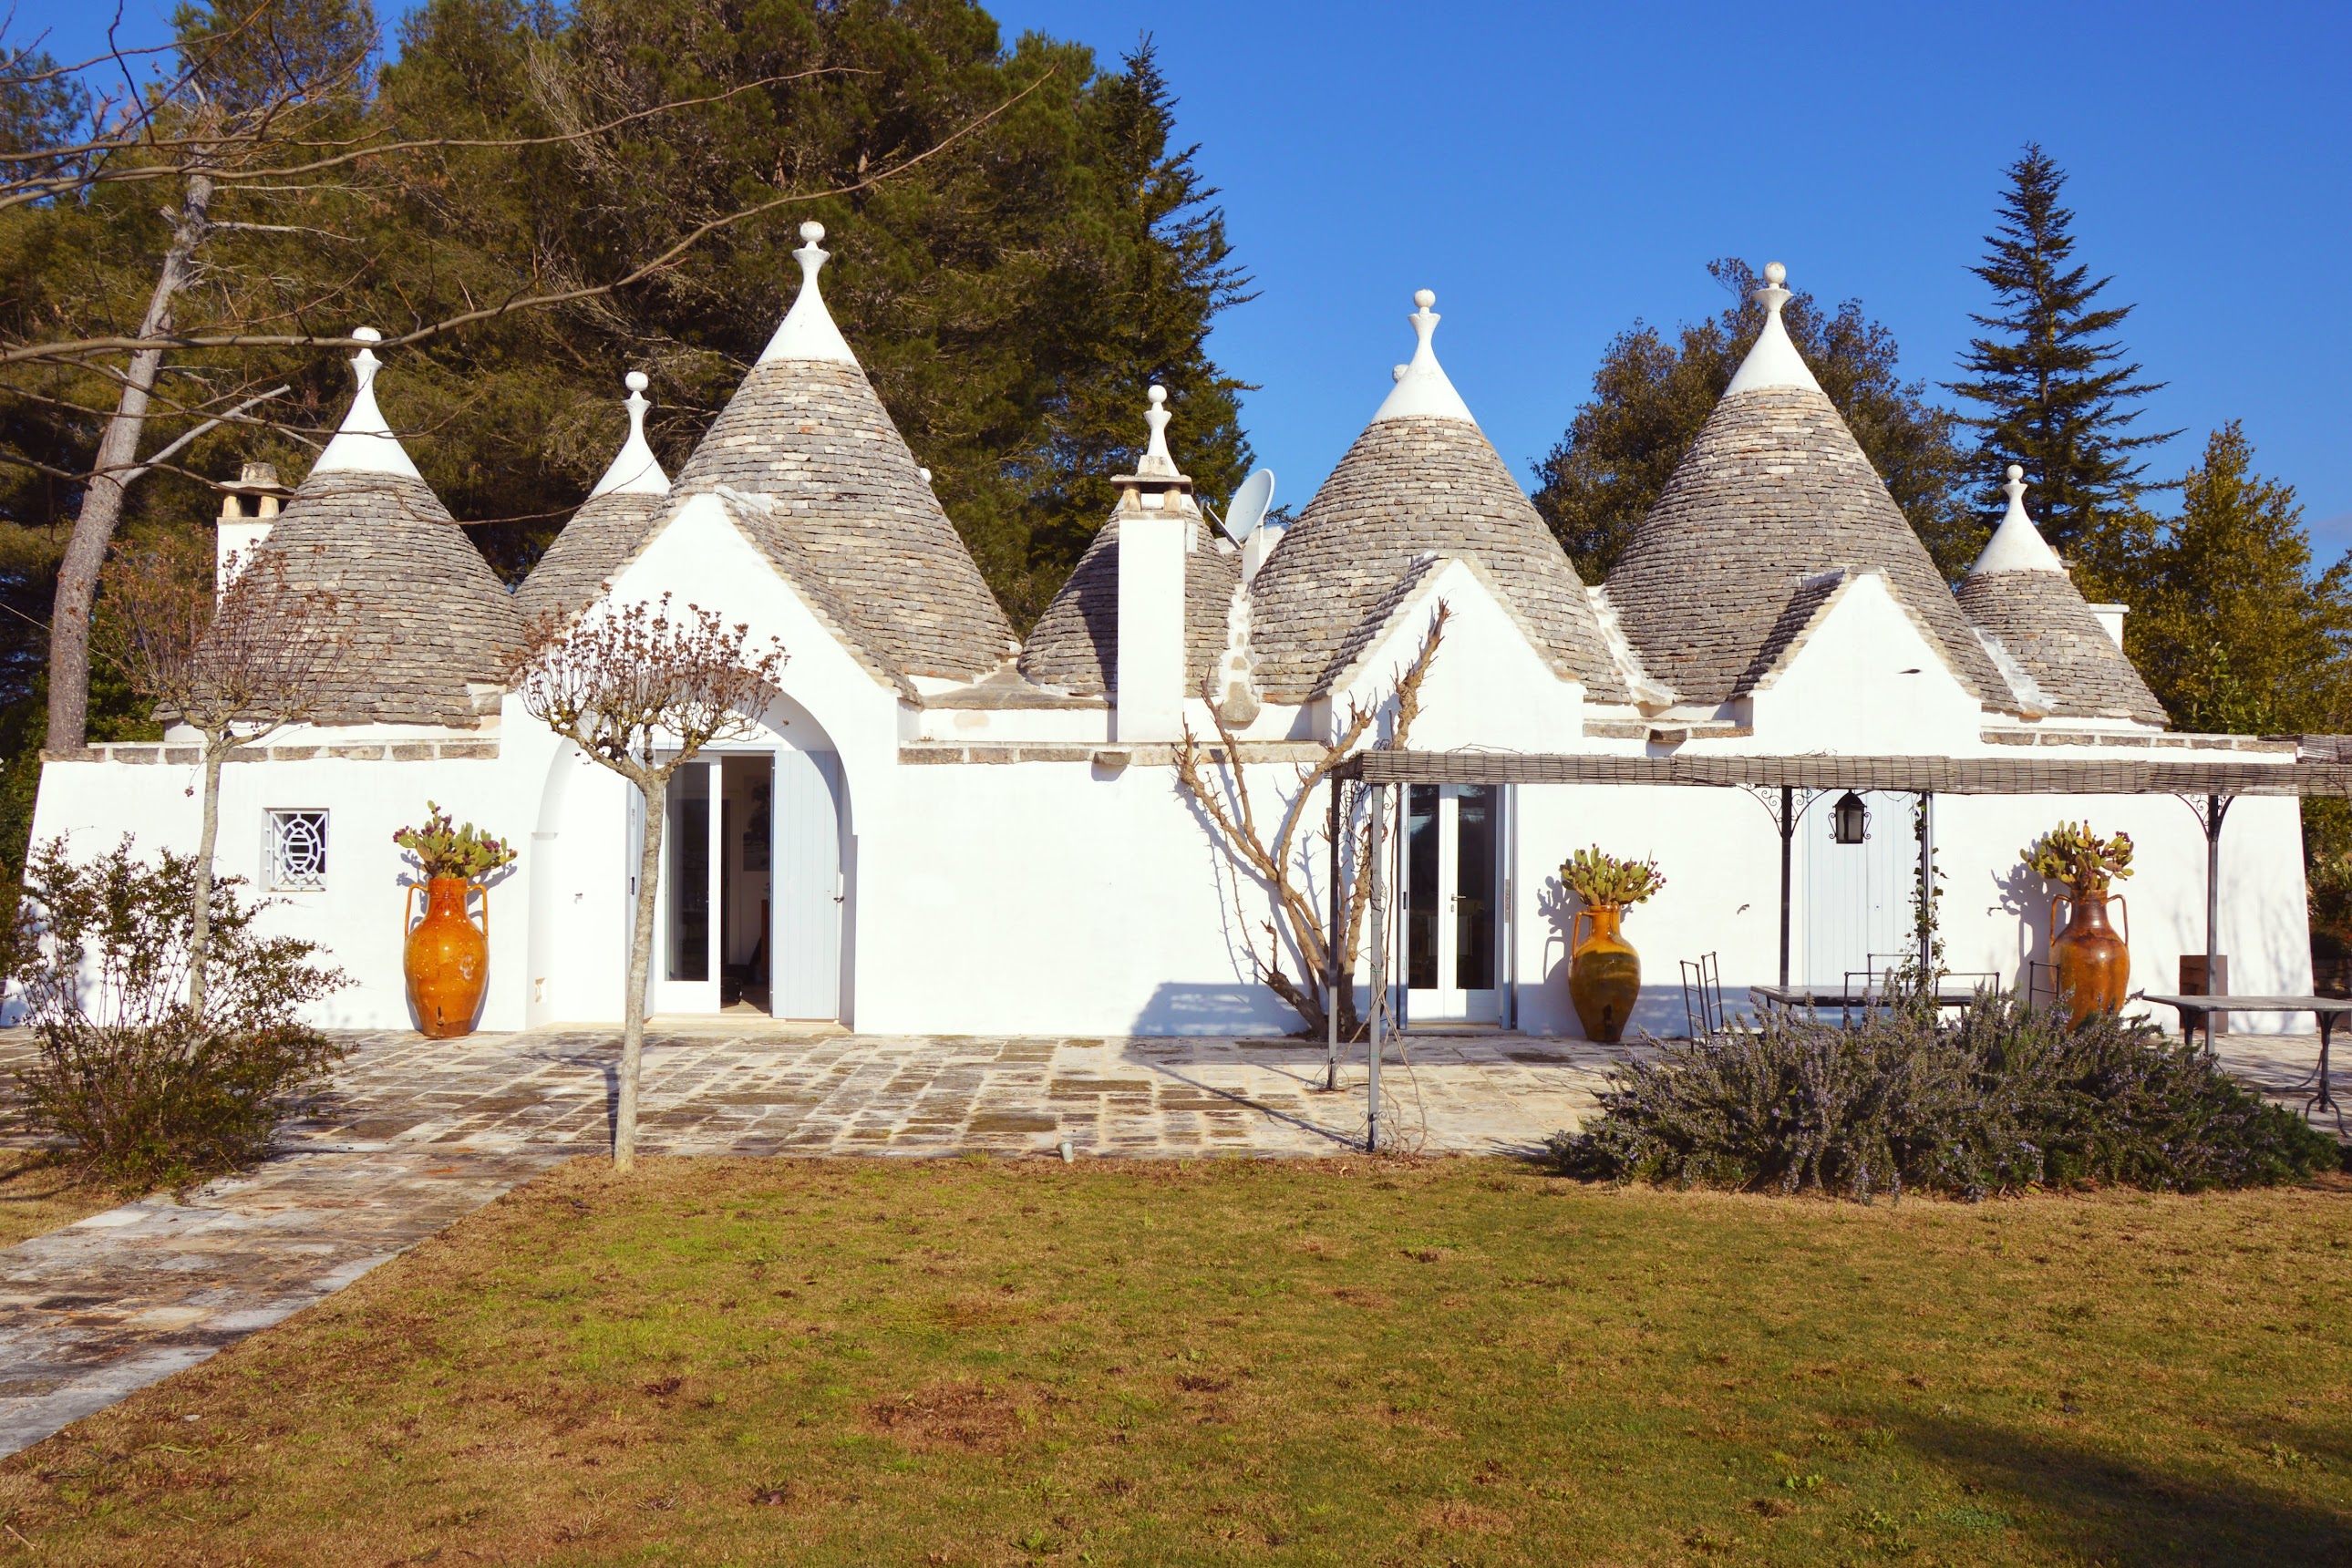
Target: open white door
(1453,877)
(687,965)
(809,890)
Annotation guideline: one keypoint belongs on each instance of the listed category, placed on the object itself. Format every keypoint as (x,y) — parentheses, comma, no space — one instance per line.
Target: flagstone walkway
(711,1090)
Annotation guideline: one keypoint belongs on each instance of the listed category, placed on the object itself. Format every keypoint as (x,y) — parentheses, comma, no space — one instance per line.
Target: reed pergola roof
(1935,775)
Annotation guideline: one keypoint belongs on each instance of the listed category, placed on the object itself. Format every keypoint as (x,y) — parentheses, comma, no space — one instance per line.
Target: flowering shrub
(2006,1099)
(1603,879)
(2071,854)
(443,849)
(145,1090)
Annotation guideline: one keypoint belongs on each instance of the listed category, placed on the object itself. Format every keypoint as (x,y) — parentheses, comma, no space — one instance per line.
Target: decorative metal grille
(297,850)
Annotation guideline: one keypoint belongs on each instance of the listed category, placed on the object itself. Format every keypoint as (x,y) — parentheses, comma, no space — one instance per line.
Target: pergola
(2206,786)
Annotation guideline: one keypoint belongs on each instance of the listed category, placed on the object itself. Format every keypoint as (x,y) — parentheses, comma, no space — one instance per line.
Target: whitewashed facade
(942,831)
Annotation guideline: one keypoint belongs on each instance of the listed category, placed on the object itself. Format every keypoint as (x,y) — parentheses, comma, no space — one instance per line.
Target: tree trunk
(641,954)
(200,899)
(111,476)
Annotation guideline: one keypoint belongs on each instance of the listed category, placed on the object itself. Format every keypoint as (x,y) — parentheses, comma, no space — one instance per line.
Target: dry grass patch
(39,1192)
(735,1361)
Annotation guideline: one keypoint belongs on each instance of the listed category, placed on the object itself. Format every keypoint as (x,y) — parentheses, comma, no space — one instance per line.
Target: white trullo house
(943,829)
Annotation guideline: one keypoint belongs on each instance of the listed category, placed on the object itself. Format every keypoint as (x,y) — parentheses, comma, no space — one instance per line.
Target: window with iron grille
(296,850)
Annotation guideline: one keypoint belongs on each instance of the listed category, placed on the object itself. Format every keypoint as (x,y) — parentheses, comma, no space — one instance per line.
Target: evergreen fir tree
(2055,389)
(1649,396)
(2233,629)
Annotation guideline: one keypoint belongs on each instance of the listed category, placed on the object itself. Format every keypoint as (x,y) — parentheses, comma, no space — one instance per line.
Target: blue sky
(1555,172)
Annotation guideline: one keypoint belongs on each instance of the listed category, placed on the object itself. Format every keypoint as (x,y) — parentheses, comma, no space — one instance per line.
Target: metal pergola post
(1333,978)
(1788,833)
(2217,806)
(1380,928)
(1926,889)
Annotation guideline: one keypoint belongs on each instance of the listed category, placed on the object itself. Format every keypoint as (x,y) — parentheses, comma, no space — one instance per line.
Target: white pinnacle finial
(2017,545)
(1774,361)
(364,444)
(1422,389)
(1156,418)
(808,332)
(634,470)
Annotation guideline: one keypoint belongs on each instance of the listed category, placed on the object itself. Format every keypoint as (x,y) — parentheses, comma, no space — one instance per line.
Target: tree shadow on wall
(2093,1506)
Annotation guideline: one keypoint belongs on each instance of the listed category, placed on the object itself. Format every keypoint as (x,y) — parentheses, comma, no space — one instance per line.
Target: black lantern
(1850,819)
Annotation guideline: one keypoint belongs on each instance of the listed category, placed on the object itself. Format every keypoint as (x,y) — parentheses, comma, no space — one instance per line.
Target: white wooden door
(1856,913)
(810,890)
(1453,908)
(688,960)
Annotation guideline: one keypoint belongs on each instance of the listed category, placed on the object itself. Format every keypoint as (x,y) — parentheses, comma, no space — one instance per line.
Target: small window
(296,850)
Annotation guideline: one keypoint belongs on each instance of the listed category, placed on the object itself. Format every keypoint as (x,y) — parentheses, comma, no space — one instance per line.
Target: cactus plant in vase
(445,956)
(1604,972)
(2094,959)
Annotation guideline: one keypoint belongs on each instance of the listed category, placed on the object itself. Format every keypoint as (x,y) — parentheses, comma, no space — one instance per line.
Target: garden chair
(1703,997)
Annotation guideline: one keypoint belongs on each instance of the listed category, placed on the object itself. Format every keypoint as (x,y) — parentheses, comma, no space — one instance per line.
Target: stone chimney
(249,507)
(1159,524)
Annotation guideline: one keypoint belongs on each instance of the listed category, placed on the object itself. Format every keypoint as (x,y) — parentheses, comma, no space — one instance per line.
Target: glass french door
(688,966)
(1453,874)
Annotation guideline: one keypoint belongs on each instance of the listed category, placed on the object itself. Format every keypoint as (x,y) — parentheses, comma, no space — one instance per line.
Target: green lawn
(1452,1363)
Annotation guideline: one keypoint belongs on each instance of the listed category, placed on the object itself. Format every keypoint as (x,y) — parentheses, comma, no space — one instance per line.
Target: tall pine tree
(2055,389)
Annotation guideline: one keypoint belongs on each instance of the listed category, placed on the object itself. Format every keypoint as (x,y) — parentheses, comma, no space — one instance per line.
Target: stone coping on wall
(2285,746)
(152,752)
(1111,757)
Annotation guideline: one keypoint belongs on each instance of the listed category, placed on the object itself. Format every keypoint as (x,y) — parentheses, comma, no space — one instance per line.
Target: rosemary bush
(2006,1099)
(146,1091)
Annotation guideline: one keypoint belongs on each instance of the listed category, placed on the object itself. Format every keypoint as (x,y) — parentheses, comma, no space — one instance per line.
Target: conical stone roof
(423,613)
(1074,644)
(611,526)
(1773,492)
(1422,479)
(2021,594)
(806,430)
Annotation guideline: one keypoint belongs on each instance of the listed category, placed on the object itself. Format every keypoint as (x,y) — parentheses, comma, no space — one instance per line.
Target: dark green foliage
(1651,395)
(2054,387)
(2007,1099)
(145,1091)
(1011,297)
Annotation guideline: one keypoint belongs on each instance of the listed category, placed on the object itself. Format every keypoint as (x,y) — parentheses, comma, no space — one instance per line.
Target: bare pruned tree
(257,128)
(1282,862)
(236,666)
(643,693)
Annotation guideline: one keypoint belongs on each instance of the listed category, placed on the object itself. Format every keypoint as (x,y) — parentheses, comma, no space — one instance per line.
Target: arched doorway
(753,883)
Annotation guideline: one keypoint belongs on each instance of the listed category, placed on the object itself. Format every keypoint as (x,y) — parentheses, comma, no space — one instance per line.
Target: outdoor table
(1846,999)
(2328,1010)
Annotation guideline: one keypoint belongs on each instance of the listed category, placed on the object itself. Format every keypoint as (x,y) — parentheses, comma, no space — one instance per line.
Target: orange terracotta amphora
(446,956)
(1604,973)
(2094,962)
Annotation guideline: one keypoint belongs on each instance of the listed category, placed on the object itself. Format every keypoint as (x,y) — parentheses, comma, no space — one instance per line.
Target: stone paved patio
(711,1089)
(416,1133)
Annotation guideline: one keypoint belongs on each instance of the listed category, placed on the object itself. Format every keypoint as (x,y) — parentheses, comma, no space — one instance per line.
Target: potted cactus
(1604,972)
(2094,959)
(444,957)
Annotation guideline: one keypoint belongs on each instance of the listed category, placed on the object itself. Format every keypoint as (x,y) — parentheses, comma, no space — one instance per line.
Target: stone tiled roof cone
(840,505)
(2020,591)
(1422,478)
(611,526)
(1074,644)
(423,613)
(1774,491)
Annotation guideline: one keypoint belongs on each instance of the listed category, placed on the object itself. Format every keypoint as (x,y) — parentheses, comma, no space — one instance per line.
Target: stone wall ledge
(1110,757)
(151,752)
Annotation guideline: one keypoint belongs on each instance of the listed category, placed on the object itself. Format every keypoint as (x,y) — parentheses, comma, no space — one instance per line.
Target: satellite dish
(1247,509)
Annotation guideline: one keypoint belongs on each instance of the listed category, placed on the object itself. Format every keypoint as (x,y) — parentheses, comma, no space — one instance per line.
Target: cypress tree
(2055,388)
